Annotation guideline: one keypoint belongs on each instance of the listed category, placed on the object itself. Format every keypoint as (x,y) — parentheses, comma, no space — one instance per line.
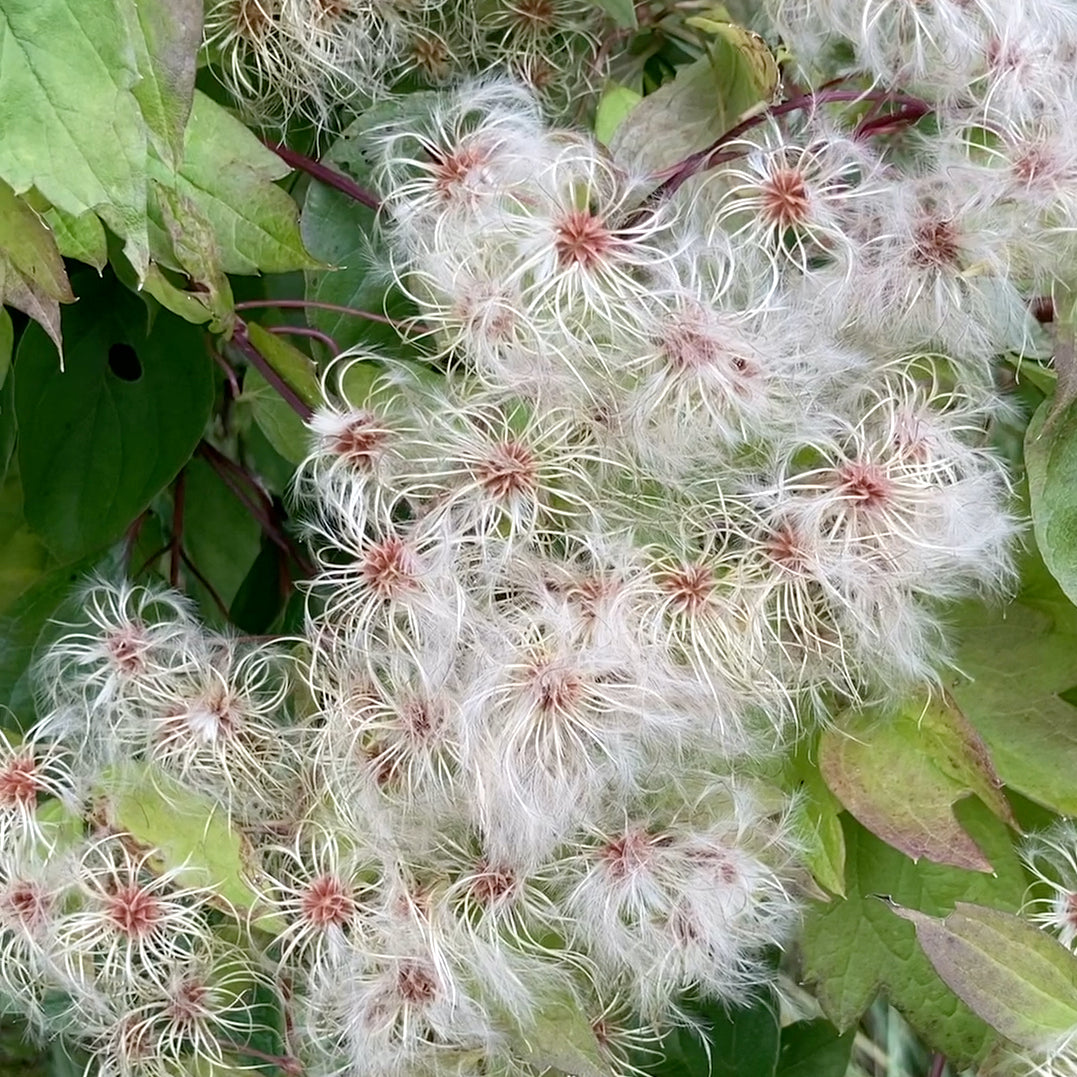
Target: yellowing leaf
(854,947)
(900,774)
(70,124)
(614,106)
(228,176)
(186,831)
(747,53)
(165,35)
(32,275)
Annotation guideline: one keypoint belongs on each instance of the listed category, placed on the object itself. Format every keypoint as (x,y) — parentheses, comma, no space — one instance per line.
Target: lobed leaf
(854,947)
(71,124)
(901,773)
(227,177)
(1016,663)
(814,1049)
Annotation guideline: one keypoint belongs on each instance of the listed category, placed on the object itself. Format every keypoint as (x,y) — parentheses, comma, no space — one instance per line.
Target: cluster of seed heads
(314,58)
(681,477)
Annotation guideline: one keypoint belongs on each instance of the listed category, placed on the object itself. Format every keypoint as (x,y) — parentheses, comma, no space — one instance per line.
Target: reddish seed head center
(19,783)
(327,901)
(1070,910)
(125,649)
(453,168)
(389,567)
(556,690)
(361,440)
(865,484)
(254,18)
(491,883)
(419,719)
(533,14)
(785,199)
(188,1001)
(416,983)
(784,547)
(26,902)
(509,470)
(626,854)
(134,911)
(935,243)
(690,587)
(581,238)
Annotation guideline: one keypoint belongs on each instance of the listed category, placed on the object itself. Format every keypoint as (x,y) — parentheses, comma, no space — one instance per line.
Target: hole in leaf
(124,362)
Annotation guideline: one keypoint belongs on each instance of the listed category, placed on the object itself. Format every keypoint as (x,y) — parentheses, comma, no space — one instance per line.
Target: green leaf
(731,1041)
(623,12)
(7,342)
(166,36)
(32,275)
(1051,460)
(260,597)
(208,296)
(71,125)
(560,1038)
(98,441)
(228,176)
(187,831)
(344,234)
(705,100)
(219,534)
(20,627)
(1019,979)
(816,819)
(23,557)
(80,237)
(1016,661)
(900,773)
(854,947)
(814,1049)
(283,428)
(614,106)
(289,362)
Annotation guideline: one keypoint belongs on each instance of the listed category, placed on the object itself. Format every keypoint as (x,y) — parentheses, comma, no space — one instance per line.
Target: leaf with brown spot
(900,775)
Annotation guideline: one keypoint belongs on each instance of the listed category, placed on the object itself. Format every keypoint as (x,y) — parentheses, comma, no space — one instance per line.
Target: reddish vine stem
(324,174)
(259,505)
(300,304)
(938,1065)
(179,497)
(131,537)
(306,331)
(286,1064)
(217,600)
(243,345)
(229,373)
(679,174)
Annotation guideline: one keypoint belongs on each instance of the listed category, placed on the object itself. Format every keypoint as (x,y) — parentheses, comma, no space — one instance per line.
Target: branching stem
(677,175)
(243,345)
(299,304)
(329,176)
